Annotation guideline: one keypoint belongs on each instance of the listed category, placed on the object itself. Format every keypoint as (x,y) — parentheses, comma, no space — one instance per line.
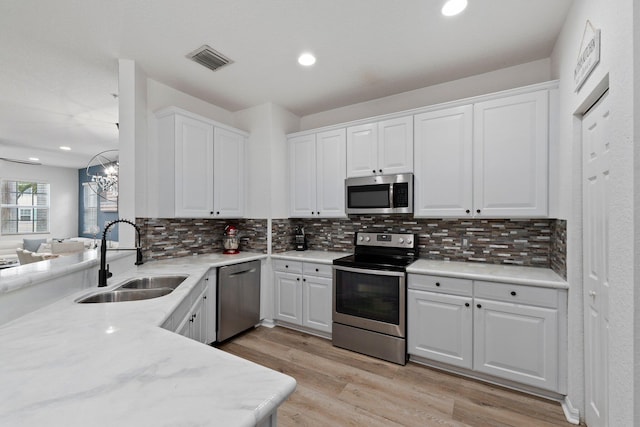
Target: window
(24,207)
(90,208)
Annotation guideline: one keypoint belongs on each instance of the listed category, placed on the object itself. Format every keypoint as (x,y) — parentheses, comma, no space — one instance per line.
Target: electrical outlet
(465,243)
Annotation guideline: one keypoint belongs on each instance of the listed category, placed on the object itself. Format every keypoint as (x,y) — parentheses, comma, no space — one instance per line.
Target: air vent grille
(209,57)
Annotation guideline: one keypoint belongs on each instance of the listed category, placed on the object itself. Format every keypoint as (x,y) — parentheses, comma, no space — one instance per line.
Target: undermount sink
(153,282)
(138,289)
(126,295)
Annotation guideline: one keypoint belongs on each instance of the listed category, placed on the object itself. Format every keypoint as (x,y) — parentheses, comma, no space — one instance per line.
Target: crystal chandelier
(102,169)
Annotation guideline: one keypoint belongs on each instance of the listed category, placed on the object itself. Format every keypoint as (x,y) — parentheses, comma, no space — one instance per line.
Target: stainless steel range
(370,295)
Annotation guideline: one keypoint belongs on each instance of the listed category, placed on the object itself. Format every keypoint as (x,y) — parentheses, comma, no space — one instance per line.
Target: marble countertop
(319,257)
(532,276)
(111,364)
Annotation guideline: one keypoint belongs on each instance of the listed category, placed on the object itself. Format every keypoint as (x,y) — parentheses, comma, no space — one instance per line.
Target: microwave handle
(391,206)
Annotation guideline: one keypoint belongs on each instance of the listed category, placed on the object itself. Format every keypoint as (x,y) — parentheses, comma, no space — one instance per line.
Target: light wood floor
(337,387)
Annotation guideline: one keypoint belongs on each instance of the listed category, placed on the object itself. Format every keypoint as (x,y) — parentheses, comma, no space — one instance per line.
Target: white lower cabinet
(504,330)
(195,317)
(440,327)
(303,294)
(193,326)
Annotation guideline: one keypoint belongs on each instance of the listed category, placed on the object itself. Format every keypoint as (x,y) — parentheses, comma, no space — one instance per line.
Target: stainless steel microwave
(381,194)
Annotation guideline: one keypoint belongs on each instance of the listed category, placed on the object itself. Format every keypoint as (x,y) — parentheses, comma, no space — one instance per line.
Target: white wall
(615,19)
(64,196)
(506,78)
(267,185)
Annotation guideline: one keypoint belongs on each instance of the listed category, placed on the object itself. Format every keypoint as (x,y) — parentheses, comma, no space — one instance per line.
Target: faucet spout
(104,273)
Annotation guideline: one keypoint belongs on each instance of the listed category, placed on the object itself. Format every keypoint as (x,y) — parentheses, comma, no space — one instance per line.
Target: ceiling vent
(210,58)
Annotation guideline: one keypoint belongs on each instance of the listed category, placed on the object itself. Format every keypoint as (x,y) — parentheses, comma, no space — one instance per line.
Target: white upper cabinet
(228,170)
(193,168)
(317,167)
(489,159)
(384,147)
(203,163)
(302,175)
(444,162)
(511,155)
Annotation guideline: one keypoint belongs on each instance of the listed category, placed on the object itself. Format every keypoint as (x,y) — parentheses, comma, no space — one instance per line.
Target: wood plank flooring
(337,387)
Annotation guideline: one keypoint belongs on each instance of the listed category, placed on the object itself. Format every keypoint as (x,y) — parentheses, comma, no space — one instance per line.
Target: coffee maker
(301,240)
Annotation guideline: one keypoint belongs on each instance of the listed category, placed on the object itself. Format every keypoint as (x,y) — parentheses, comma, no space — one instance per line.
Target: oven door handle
(370,271)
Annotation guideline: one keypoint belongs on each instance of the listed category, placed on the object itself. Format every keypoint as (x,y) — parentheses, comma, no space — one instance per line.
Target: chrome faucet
(104,273)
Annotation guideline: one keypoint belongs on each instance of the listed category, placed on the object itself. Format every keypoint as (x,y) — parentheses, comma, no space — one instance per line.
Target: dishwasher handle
(239,273)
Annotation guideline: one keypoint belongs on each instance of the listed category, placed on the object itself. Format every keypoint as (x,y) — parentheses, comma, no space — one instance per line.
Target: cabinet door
(362,150)
(193,168)
(198,321)
(228,167)
(440,327)
(317,306)
(395,145)
(510,156)
(331,163)
(288,297)
(211,307)
(302,176)
(443,179)
(517,342)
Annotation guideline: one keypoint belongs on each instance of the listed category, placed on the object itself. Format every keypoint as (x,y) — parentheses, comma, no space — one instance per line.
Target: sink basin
(153,282)
(126,295)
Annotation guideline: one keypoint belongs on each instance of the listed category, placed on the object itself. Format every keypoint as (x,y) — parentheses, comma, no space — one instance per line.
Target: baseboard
(570,413)
(268,323)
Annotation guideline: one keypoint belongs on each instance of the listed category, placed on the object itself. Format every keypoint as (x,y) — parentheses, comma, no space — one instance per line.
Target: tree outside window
(24,207)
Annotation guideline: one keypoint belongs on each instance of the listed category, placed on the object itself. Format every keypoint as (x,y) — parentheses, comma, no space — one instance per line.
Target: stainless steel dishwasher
(238,298)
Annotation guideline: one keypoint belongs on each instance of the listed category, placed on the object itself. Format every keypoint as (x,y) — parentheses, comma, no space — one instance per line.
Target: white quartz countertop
(532,276)
(111,364)
(319,257)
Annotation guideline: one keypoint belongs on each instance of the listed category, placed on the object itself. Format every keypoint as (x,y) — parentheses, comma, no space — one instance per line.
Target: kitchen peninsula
(111,364)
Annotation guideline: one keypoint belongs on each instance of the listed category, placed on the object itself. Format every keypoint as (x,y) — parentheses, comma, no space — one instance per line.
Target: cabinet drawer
(321,270)
(287,266)
(446,285)
(520,294)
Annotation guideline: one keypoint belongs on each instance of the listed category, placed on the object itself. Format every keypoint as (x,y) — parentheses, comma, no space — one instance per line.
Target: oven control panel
(386,240)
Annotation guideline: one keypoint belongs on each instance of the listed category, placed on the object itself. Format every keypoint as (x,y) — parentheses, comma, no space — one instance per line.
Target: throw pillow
(32,244)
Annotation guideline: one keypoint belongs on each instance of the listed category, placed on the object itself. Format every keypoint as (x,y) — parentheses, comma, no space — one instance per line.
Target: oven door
(370,299)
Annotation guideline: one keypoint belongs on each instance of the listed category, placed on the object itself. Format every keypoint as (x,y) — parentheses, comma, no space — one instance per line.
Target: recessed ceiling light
(65,148)
(306,59)
(34,159)
(454,7)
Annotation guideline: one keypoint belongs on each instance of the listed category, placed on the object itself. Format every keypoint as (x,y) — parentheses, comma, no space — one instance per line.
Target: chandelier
(102,170)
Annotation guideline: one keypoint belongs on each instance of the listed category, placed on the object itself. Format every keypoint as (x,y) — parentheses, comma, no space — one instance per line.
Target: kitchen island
(111,364)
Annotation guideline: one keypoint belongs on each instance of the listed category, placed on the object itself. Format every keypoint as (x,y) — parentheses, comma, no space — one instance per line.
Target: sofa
(9,245)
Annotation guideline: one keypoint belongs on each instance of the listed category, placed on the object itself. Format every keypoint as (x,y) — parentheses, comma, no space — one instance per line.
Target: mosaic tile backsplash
(177,237)
(527,242)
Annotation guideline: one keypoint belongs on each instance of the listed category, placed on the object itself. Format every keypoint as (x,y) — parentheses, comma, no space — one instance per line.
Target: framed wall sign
(588,56)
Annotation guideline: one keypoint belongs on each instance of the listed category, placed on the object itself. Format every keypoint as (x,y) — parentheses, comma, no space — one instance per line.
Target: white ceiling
(59,58)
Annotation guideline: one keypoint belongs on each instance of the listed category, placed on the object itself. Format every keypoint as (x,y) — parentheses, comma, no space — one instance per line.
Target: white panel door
(596,172)
(288,297)
(362,150)
(317,303)
(331,164)
(443,179)
(193,168)
(302,176)
(395,145)
(440,327)
(511,156)
(228,167)
(516,342)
